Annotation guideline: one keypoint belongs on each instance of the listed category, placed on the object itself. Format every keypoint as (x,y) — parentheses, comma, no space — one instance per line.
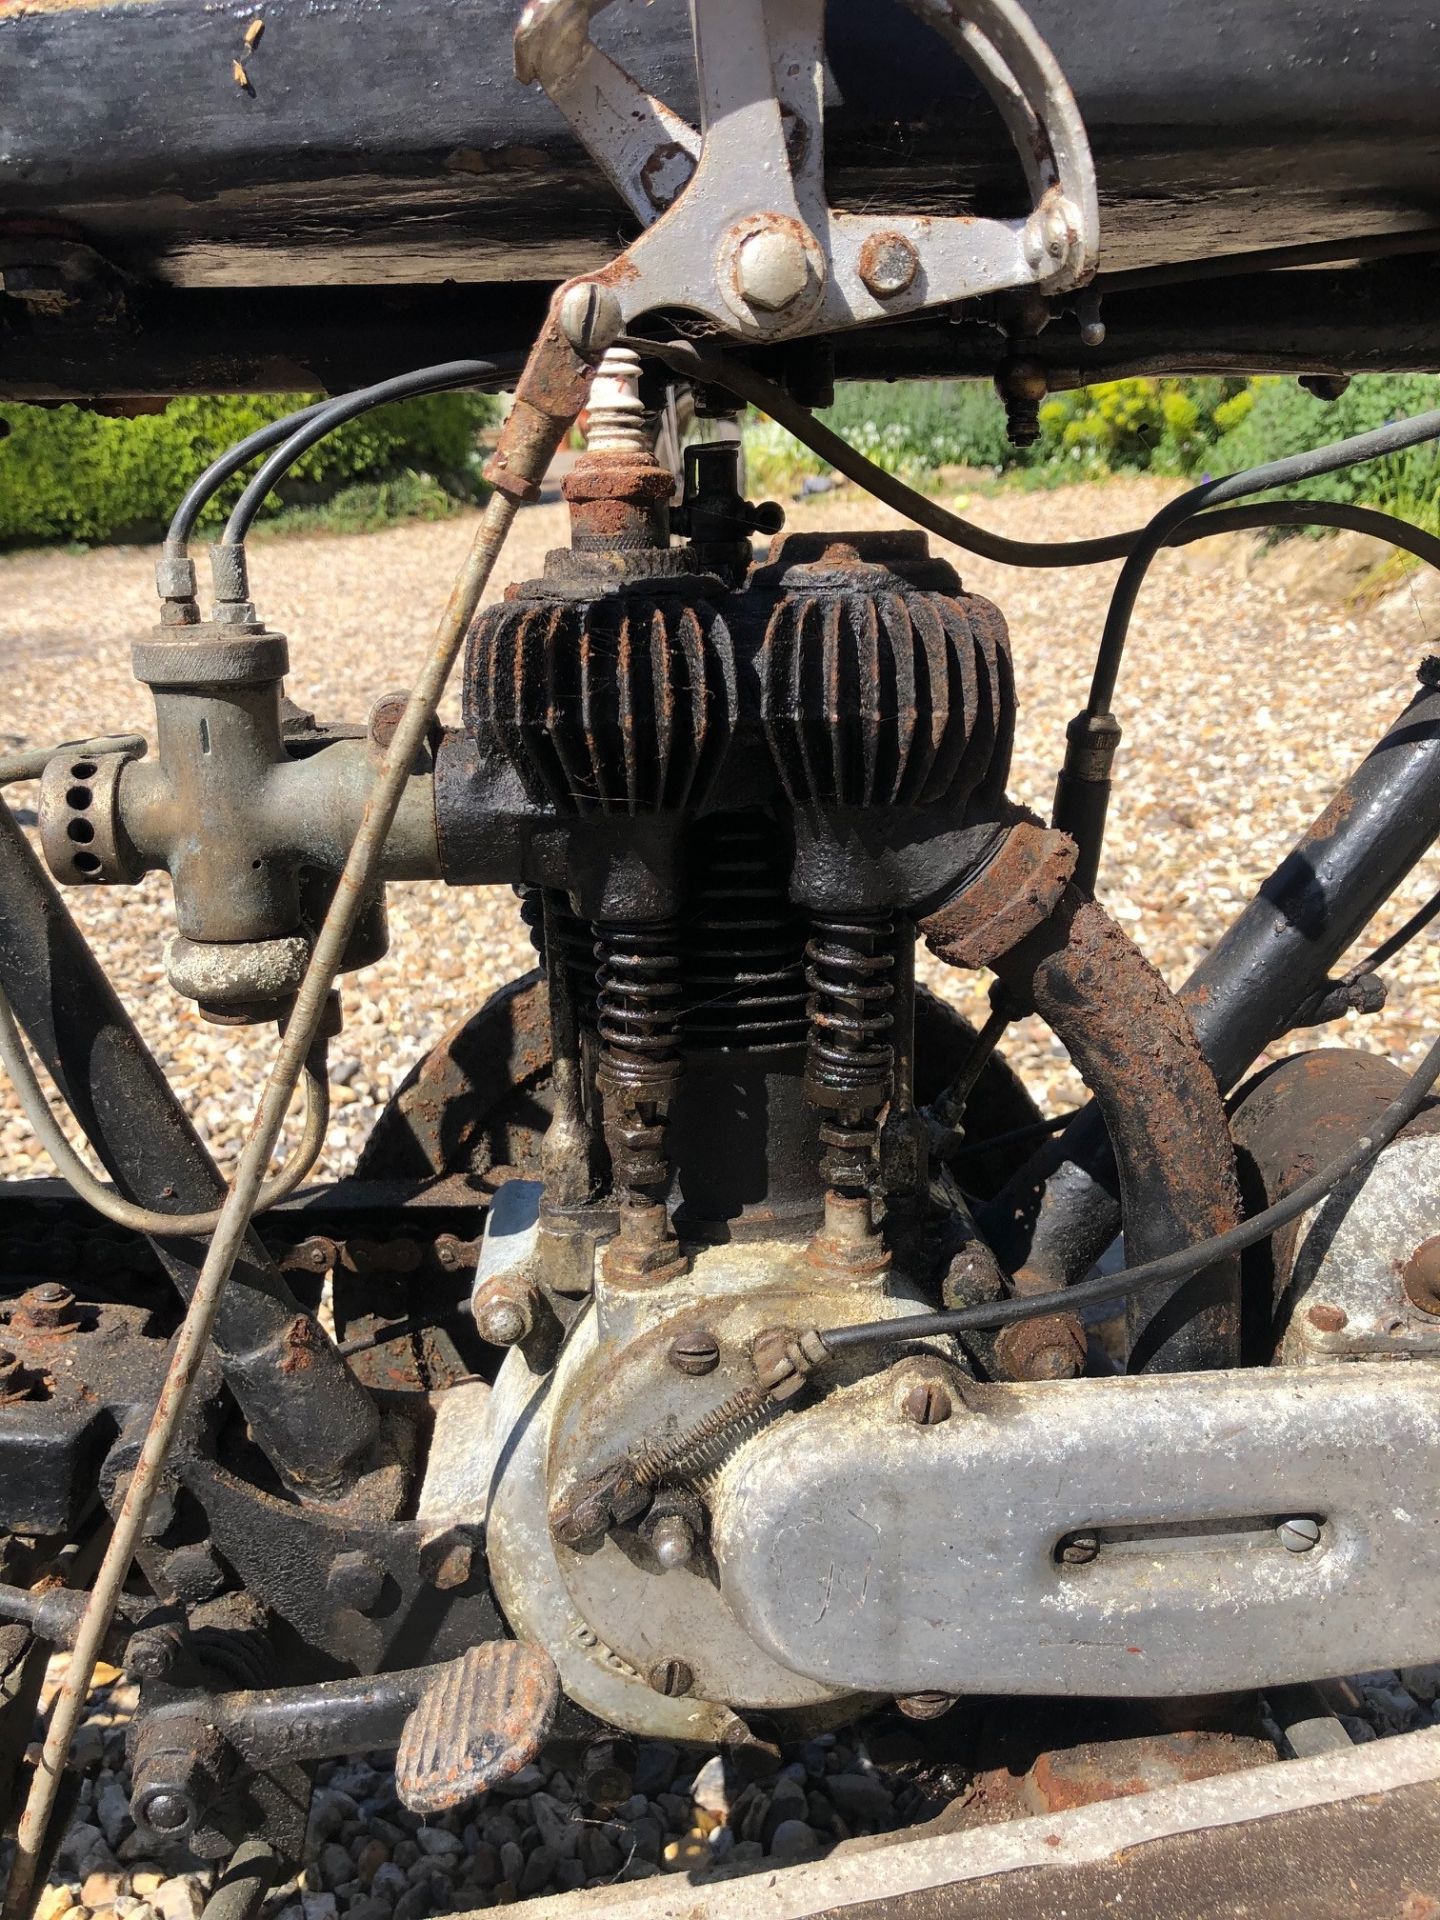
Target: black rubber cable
(1170,1267)
(719,369)
(182,523)
(329,414)
(1394,437)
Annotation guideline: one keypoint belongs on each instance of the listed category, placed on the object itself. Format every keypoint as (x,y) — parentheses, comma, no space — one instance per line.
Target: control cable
(1169,1267)
(114,1206)
(451,373)
(718,369)
(329,414)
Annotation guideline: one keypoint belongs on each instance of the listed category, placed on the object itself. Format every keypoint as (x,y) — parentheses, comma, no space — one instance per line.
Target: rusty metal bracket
(738,225)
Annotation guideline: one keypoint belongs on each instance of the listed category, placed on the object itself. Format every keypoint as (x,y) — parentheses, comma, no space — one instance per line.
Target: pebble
(433,1840)
(183,1898)
(690,1851)
(711,1790)
(859,1796)
(794,1840)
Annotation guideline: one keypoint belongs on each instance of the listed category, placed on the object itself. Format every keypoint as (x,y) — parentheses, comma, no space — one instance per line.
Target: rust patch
(1084,1775)
(1008,899)
(1050,1348)
(1421,1276)
(302,1341)
(1327,1319)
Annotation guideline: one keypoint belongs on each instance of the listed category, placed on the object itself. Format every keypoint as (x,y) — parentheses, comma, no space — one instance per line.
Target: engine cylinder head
(881,684)
(619,702)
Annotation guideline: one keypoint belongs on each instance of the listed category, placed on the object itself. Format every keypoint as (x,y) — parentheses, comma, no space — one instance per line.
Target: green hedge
(68,474)
(1186,428)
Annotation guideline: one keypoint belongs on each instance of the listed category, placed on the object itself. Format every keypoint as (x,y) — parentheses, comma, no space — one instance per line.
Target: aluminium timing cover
(865,1551)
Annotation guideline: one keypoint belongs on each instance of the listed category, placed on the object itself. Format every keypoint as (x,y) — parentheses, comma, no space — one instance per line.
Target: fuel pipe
(549,395)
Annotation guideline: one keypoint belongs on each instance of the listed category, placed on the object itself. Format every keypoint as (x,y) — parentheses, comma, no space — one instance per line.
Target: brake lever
(737,227)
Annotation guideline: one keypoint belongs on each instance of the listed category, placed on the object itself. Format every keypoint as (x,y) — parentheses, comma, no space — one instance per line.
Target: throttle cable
(718,369)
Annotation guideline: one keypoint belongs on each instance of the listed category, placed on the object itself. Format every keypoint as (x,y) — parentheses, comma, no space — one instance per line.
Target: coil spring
(700,1449)
(576,940)
(638,1014)
(744,944)
(850,966)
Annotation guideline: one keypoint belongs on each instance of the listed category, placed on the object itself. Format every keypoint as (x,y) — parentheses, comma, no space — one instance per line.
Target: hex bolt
(695,1351)
(504,1311)
(1079,1550)
(607,1771)
(925,1706)
(672,1677)
(166,1811)
(673,1542)
(152,1653)
(49,1305)
(1300,1534)
(447,1560)
(590,318)
(927,1403)
(888,265)
(771,270)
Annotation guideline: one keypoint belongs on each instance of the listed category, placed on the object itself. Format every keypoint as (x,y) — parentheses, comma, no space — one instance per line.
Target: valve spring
(638,1013)
(850,968)
(744,943)
(576,939)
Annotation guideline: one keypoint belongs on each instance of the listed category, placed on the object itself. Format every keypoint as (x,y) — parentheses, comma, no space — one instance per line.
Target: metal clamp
(738,228)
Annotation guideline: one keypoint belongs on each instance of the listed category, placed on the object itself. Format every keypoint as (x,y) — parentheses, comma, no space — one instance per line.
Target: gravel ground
(1244,699)
(1249,691)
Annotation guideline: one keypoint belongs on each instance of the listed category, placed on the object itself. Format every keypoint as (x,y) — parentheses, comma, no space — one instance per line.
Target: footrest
(482,1718)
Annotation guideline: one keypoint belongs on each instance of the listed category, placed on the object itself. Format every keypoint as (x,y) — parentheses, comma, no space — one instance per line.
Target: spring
(850,967)
(699,1449)
(744,943)
(576,942)
(638,1014)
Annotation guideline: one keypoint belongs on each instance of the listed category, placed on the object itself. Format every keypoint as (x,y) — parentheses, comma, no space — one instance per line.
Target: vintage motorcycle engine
(731,796)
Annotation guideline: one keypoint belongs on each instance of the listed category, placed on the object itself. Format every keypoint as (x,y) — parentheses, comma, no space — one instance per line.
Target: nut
(45,1308)
(695,1351)
(771,270)
(1051,1347)
(888,265)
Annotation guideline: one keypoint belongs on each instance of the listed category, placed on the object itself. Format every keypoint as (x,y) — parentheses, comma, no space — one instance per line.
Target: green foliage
(370,506)
(1181,428)
(915,427)
(1284,419)
(68,474)
(1159,426)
